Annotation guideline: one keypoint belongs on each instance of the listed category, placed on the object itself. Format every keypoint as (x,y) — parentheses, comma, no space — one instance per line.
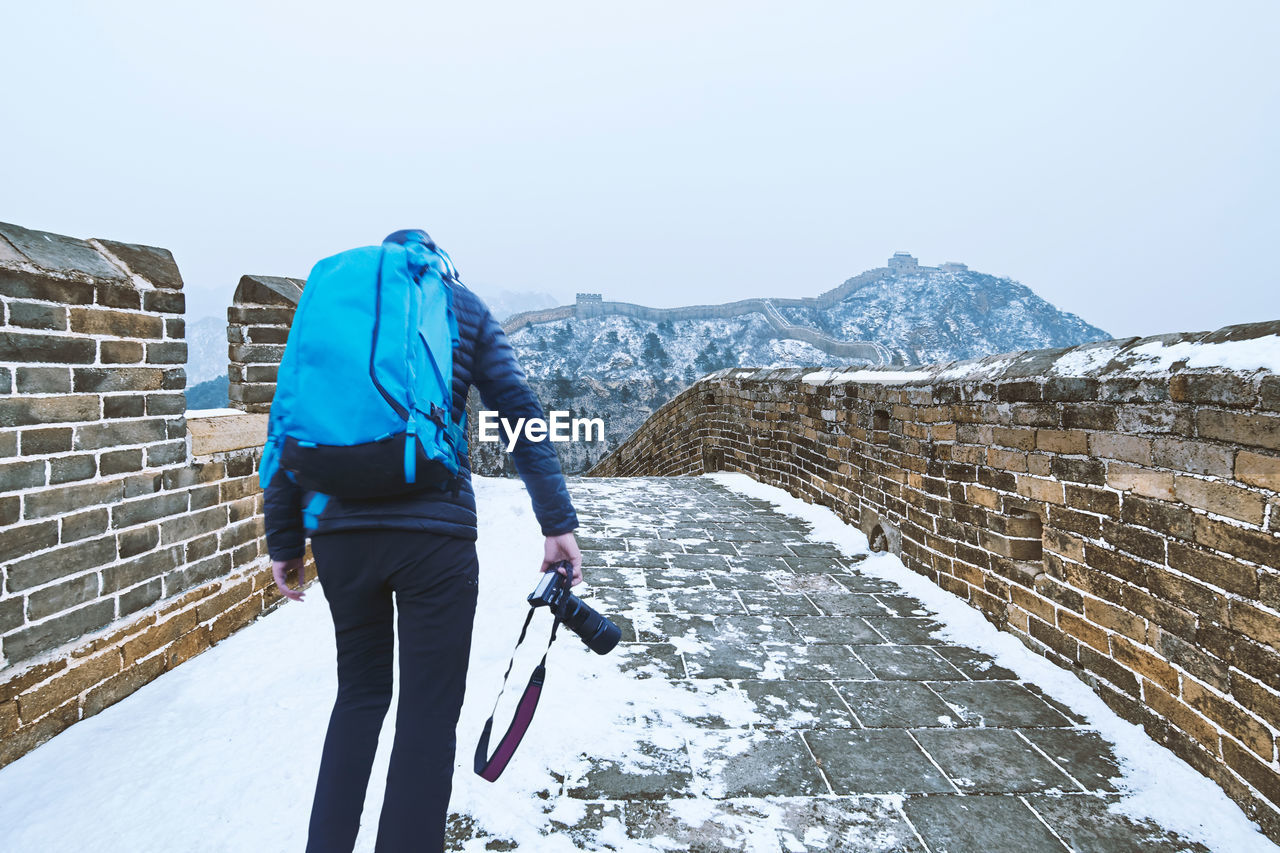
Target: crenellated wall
(1115,506)
(130,529)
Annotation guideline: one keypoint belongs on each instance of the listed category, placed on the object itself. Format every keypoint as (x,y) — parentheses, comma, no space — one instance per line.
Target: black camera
(596,631)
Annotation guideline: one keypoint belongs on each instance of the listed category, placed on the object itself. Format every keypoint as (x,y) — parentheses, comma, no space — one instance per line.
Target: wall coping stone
(223,430)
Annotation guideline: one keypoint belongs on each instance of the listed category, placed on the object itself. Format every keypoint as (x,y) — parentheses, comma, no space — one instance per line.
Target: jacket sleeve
(504,389)
(282,517)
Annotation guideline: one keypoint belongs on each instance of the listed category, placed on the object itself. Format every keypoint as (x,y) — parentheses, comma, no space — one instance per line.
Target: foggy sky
(1119,158)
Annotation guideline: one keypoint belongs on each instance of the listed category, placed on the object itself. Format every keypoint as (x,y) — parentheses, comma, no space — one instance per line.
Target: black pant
(434,581)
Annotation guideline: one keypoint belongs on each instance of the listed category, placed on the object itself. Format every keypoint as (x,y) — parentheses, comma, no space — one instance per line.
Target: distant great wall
(593,305)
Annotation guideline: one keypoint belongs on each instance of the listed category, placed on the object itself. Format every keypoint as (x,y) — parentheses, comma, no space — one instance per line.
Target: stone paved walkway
(865,732)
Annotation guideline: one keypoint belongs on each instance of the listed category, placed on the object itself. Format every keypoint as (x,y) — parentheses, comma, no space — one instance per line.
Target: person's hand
(563,547)
(280,570)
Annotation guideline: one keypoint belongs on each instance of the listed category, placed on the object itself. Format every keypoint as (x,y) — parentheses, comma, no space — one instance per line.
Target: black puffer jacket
(483,358)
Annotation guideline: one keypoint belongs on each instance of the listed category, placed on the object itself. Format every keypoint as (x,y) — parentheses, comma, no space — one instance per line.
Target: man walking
(420,548)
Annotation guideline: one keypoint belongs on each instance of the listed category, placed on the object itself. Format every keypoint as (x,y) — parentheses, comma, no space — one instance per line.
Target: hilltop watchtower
(903,262)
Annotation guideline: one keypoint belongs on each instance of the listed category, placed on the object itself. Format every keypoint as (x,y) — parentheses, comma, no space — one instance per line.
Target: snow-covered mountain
(621,362)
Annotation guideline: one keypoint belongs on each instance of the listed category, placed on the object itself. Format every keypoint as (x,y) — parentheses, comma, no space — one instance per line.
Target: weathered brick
(42,636)
(1195,661)
(34,315)
(140,596)
(148,509)
(1221,389)
(1101,501)
(164,301)
(62,596)
(28,411)
(1251,545)
(1237,722)
(118,434)
(130,543)
(121,685)
(66,469)
(123,406)
(68,684)
(1161,516)
(1018,439)
(1063,441)
(48,440)
(120,352)
(1223,572)
(22,284)
(29,736)
(1134,540)
(1142,481)
(66,499)
(43,380)
(166,404)
(46,566)
(27,347)
(105,379)
(12,613)
(1126,448)
(8,719)
(116,324)
(120,461)
(1256,623)
(168,352)
(1115,619)
(1258,469)
(1220,498)
(1206,603)
(187,646)
(1049,491)
(1084,631)
(82,525)
(1087,471)
(158,636)
(184,527)
(1259,430)
(27,474)
(191,574)
(1177,712)
(1257,698)
(1257,773)
(235,619)
(140,569)
(169,453)
(118,296)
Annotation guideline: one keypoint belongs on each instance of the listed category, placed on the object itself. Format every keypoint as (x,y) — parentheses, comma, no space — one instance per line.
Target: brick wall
(1113,506)
(257,328)
(130,536)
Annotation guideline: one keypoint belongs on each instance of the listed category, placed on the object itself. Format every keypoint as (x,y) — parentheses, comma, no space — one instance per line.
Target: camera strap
(491,767)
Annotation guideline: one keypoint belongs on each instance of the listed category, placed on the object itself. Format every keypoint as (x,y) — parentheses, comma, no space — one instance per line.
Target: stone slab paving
(867,733)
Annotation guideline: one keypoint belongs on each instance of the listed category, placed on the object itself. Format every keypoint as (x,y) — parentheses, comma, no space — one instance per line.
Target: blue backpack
(364,398)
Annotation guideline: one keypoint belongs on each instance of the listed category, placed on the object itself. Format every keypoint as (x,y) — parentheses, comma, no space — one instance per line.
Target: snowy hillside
(622,368)
(936,315)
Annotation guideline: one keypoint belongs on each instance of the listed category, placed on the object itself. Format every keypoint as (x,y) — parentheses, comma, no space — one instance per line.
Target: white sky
(1118,158)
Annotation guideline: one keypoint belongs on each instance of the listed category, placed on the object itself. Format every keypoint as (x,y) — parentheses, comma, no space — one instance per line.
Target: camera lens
(596,631)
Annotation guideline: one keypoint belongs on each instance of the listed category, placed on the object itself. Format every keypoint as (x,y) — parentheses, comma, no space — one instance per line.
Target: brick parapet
(130,532)
(1114,506)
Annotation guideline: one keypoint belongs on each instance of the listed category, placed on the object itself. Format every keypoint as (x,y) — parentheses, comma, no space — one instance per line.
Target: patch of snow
(243,724)
(1082,362)
(818,377)
(1155,784)
(1254,354)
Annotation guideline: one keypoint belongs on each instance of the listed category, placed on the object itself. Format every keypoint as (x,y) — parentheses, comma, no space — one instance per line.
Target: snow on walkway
(777,690)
